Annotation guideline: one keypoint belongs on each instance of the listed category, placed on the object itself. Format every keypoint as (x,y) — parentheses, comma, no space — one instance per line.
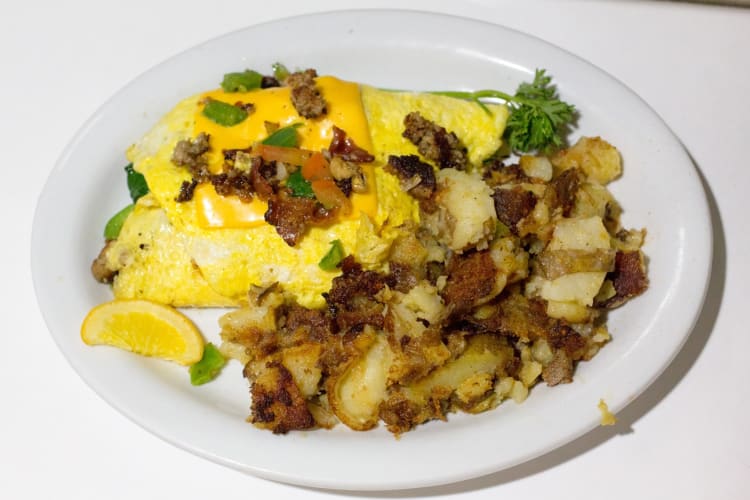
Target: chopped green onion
(241,82)
(136,183)
(279,71)
(299,185)
(114,225)
(223,113)
(208,367)
(334,256)
(285,136)
(501,230)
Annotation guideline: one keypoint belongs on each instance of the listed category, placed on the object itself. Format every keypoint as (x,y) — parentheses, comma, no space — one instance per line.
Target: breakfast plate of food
(386,237)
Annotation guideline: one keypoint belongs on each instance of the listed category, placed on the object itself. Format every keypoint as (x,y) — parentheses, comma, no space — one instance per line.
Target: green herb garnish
(208,367)
(537,121)
(335,255)
(299,186)
(114,225)
(223,113)
(279,71)
(241,82)
(537,118)
(285,136)
(136,183)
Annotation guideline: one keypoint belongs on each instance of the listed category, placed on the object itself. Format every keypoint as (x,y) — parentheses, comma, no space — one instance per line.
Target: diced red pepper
(330,196)
(292,156)
(316,168)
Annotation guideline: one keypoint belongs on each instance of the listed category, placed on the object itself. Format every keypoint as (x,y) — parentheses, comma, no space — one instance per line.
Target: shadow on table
(652,396)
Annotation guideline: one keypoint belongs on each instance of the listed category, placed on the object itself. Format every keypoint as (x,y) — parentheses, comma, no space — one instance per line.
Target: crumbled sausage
(292,215)
(512,205)
(259,179)
(234,182)
(306,97)
(268,82)
(417,177)
(470,278)
(352,296)
(277,403)
(191,154)
(187,189)
(434,142)
(315,323)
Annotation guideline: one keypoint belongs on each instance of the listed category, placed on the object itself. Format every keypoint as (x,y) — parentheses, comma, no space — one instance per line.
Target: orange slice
(146,328)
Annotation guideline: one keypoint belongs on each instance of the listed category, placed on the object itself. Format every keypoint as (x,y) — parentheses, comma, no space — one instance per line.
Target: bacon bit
(344,147)
(260,184)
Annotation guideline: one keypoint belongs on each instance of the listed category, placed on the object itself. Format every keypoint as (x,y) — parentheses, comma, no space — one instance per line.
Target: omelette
(210,250)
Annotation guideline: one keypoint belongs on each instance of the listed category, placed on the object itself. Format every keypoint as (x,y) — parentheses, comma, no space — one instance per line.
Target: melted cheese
(344,110)
(167,255)
(214,210)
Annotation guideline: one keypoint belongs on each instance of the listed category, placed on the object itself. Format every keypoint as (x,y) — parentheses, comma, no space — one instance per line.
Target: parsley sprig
(538,118)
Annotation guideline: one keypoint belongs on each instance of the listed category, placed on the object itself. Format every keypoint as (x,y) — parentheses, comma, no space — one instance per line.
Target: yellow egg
(168,252)
(478,129)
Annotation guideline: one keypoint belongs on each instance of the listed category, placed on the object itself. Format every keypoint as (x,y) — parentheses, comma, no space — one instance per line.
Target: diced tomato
(330,196)
(316,168)
(292,156)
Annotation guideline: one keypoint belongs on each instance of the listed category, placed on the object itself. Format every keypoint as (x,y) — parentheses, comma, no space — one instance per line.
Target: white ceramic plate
(660,190)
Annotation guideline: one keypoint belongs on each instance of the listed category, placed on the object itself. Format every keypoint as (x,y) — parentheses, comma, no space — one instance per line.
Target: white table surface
(686,437)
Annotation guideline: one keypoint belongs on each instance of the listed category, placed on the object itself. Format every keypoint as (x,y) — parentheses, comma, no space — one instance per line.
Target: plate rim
(37,238)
